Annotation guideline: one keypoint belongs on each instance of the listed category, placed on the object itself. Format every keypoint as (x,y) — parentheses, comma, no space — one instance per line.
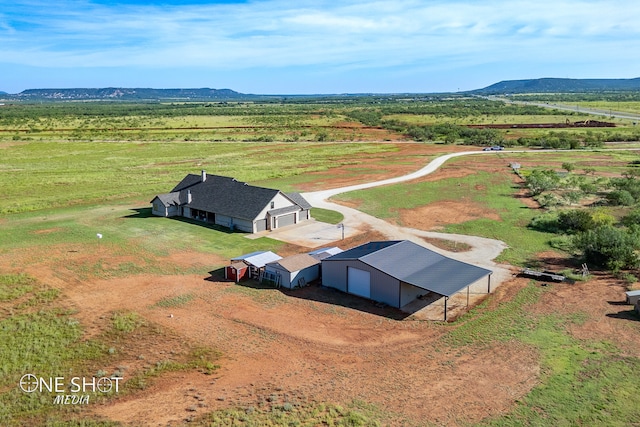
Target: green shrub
(609,247)
(126,322)
(575,220)
(547,222)
(620,198)
(602,218)
(632,218)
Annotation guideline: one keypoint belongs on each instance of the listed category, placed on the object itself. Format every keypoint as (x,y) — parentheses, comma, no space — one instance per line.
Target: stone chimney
(189,197)
(204,175)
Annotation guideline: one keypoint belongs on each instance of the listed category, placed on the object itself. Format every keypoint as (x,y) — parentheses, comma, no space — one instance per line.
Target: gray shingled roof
(285,210)
(169,199)
(299,200)
(416,265)
(225,196)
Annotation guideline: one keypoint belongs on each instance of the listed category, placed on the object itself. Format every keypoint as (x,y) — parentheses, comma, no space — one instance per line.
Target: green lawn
(326,215)
(126,232)
(40,175)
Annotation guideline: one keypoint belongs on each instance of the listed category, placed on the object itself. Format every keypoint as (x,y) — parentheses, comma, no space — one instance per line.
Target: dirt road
(483,251)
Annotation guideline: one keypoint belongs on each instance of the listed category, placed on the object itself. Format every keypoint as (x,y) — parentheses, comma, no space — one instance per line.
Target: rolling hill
(543,85)
(553,85)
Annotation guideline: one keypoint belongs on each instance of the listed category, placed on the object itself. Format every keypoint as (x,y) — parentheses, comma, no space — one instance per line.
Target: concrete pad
(311,233)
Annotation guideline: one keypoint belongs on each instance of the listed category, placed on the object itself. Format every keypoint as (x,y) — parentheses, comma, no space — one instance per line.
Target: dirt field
(315,344)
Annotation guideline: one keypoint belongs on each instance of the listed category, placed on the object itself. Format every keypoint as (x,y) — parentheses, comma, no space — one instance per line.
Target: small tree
(322,136)
(539,181)
(549,200)
(569,167)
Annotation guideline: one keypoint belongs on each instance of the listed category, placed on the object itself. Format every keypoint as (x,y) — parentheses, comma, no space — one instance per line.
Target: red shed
(236,271)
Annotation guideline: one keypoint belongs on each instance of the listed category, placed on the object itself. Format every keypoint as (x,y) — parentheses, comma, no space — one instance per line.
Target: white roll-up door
(359,282)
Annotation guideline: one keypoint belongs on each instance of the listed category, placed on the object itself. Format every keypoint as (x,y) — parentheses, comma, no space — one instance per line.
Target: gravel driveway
(483,251)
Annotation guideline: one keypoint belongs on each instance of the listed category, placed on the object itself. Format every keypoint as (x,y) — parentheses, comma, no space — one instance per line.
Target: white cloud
(335,35)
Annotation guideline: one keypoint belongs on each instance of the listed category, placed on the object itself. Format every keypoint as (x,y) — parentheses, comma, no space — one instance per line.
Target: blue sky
(313,47)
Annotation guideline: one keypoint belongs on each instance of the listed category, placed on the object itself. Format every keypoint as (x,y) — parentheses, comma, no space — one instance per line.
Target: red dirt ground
(437,215)
(314,344)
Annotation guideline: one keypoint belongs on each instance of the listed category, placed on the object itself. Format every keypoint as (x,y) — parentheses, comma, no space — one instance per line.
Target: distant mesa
(553,85)
(130,94)
(544,85)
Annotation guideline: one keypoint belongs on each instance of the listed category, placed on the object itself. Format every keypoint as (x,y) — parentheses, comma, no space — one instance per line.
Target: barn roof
(323,253)
(416,265)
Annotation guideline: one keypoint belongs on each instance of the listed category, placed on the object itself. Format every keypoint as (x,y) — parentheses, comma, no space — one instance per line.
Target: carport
(448,277)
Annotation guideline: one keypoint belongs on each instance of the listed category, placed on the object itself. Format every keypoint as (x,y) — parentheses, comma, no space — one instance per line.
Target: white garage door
(284,220)
(359,282)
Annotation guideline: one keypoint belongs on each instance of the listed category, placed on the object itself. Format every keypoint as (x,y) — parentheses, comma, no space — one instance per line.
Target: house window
(273,205)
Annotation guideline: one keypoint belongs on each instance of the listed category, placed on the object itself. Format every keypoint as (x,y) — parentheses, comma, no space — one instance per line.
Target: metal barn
(398,272)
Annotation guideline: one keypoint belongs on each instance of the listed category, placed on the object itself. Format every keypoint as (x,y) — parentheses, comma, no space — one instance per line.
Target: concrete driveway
(312,234)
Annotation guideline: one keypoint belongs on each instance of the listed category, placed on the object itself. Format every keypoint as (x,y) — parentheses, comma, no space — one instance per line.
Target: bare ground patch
(437,215)
(306,346)
(374,167)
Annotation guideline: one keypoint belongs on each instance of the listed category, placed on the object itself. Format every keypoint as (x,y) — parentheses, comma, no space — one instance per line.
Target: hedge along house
(293,271)
(230,203)
(398,272)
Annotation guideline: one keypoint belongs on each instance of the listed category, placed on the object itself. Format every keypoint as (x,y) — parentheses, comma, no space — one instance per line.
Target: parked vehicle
(494,148)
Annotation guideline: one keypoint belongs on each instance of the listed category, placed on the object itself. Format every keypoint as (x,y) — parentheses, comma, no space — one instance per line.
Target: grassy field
(494,192)
(126,232)
(175,123)
(41,175)
(626,106)
(58,195)
(583,382)
(487,119)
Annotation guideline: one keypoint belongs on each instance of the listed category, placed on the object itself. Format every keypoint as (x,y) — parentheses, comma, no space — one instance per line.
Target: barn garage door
(359,282)
(261,225)
(287,220)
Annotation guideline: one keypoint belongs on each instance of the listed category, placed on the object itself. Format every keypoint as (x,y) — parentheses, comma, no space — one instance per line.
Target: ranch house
(230,203)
